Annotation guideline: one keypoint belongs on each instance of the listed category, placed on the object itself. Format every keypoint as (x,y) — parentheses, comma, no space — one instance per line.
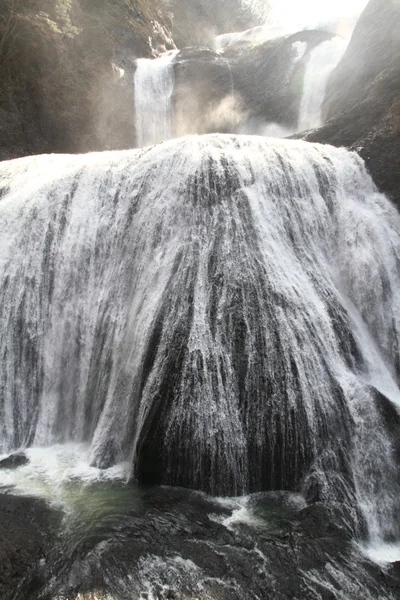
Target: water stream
(153,87)
(323,60)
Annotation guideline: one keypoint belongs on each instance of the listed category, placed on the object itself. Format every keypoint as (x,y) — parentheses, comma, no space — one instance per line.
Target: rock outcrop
(245,87)
(176,543)
(362,106)
(203,100)
(61,67)
(15,460)
(268,78)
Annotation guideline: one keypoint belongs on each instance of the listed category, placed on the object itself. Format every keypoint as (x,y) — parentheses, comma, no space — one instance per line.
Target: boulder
(27,528)
(18,459)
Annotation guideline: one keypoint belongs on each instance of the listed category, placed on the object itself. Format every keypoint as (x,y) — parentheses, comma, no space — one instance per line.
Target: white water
(154,86)
(52,471)
(382,553)
(229,314)
(300,48)
(255,35)
(323,60)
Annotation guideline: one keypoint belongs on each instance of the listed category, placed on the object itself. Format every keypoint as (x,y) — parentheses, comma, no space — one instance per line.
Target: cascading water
(255,35)
(232,328)
(323,60)
(153,89)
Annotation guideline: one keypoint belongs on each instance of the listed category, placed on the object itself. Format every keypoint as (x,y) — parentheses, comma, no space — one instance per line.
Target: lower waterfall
(220,311)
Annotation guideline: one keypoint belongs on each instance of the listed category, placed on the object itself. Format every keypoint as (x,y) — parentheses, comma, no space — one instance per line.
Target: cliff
(60,68)
(362,105)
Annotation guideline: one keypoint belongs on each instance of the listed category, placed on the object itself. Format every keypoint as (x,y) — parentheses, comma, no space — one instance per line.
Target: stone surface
(174,544)
(197,22)
(26,530)
(14,460)
(61,89)
(202,98)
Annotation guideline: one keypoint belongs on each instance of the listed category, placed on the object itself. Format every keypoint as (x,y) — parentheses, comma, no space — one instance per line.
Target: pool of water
(123,541)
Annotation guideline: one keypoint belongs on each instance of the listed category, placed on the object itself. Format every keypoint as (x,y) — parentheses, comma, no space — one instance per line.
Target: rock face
(363,97)
(176,543)
(269,77)
(25,532)
(203,100)
(60,70)
(245,87)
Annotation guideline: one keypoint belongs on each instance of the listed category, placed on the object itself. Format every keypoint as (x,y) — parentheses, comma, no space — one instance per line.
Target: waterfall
(153,88)
(221,311)
(323,60)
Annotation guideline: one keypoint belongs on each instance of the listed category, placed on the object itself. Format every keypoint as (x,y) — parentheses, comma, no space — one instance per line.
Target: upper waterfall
(323,60)
(230,328)
(153,88)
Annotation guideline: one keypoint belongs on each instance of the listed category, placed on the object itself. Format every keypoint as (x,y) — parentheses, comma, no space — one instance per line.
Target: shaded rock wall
(363,97)
(202,101)
(244,88)
(59,90)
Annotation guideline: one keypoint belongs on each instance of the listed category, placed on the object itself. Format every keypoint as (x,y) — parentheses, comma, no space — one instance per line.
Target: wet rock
(27,529)
(14,461)
(307,559)
(394,570)
(317,521)
(244,88)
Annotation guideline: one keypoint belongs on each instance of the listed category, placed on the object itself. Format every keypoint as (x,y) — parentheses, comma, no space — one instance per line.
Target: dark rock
(394,570)
(203,92)
(319,521)
(27,526)
(363,96)
(14,460)
(245,86)
(60,90)
(391,418)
